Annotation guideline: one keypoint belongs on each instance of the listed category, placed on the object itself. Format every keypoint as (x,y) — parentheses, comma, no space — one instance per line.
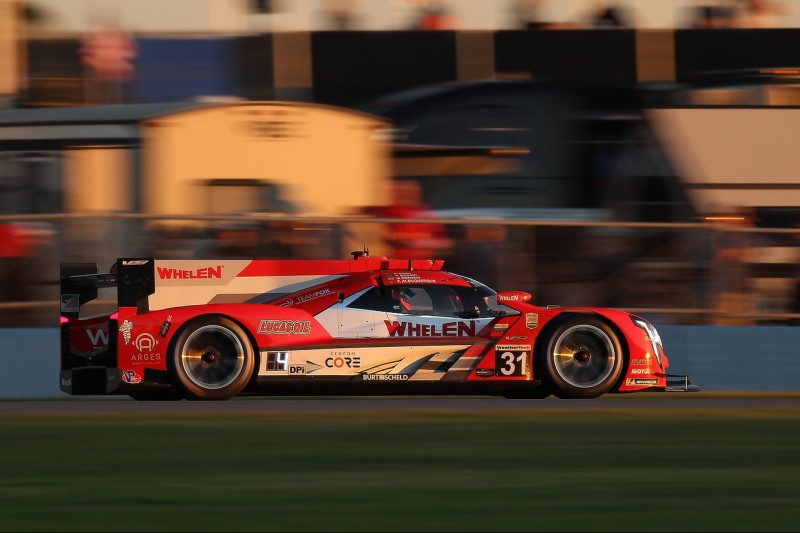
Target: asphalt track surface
(373,404)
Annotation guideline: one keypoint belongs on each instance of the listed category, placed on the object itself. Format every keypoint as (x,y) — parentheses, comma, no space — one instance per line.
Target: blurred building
(535,149)
(176,161)
(226,16)
(13,62)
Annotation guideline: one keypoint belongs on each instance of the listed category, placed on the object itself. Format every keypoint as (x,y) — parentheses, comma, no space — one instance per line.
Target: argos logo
(145,342)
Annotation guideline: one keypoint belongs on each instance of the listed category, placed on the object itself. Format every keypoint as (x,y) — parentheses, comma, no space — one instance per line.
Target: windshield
(487,300)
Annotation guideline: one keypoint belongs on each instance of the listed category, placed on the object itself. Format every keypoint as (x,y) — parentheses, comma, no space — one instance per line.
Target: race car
(216,329)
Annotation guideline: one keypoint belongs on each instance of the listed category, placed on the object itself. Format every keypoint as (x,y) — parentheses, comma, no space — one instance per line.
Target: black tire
(212,359)
(581,357)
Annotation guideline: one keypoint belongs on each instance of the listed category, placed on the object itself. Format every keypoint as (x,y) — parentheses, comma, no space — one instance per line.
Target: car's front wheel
(212,359)
(582,357)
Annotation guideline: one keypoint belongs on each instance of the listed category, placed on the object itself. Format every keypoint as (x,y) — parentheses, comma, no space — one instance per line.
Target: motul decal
(448,329)
(284,327)
(214,272)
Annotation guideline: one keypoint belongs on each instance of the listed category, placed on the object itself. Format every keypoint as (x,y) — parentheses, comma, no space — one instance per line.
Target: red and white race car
(215,329)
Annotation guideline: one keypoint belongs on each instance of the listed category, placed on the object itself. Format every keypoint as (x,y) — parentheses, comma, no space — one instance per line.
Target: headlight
(652,336)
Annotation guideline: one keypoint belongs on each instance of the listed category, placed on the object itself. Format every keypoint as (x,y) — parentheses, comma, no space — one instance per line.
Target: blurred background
(629,154)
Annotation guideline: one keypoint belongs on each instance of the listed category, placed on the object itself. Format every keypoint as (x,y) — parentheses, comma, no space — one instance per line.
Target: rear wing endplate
(133,277)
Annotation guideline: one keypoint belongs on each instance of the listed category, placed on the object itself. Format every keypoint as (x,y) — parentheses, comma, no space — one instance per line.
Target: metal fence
(693,273)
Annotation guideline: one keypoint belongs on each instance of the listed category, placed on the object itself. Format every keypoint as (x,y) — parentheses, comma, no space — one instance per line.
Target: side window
(446,301)
(373,300)
(416,300)
(435,300)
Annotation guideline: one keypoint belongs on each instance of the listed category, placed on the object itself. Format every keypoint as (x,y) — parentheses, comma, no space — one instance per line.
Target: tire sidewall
(190,389)
(546,365)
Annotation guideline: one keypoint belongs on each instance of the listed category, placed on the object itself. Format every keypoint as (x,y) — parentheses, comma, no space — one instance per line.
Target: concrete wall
(29,363)
(735,358)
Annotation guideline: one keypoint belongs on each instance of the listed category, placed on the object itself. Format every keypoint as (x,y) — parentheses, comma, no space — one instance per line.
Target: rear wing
(133,277)
(153,284)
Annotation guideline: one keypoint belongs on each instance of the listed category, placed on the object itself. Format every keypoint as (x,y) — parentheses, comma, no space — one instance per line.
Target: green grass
(625,470)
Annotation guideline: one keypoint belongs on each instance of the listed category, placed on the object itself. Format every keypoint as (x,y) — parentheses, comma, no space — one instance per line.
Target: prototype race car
(216,329)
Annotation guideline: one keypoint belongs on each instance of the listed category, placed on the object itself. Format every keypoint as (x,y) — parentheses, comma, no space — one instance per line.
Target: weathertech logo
(214,272)
(284,327)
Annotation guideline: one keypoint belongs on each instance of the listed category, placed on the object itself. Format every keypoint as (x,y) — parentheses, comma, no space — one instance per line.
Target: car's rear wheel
(212,359)
(581,358)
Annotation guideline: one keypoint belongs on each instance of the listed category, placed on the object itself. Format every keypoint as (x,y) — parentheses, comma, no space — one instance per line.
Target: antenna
(357,254)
